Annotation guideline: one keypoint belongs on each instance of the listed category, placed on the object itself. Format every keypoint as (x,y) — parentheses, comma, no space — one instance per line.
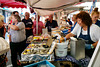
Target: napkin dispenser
(77,47)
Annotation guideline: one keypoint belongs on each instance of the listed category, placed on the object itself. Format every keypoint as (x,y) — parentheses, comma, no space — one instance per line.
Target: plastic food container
(61,49)
(4,46)
(61,52)
(62,45)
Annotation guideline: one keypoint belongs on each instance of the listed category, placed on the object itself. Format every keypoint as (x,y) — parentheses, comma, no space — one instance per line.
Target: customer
(15,13)
(51,23)
(95,17)
(46,21)
(17,38)
(2,27)
(28,25)
(2,34)
(40,26)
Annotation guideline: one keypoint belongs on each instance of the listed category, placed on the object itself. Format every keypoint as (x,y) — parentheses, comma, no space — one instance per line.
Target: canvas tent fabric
(47,7)
(45,12)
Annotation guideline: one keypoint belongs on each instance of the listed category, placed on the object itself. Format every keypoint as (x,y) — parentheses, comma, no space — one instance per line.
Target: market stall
(56,50)
(46,47)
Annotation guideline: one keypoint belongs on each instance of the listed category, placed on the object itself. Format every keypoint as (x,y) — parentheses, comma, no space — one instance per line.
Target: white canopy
(45,12)
(47,7)
(50,4)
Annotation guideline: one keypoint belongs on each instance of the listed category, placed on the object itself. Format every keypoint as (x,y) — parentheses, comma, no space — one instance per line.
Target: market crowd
(85,26)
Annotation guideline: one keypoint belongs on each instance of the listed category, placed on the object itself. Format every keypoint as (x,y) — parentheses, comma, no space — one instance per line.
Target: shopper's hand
(27,28)
(88,46)
(5,24)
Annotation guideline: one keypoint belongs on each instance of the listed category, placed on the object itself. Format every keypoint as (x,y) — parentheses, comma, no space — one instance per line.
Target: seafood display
(39,39)
(40,48)
(42,37)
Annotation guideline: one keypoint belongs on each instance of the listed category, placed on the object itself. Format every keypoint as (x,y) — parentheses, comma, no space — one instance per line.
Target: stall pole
(21,12)
(93,5)
(58,18)
(36,23)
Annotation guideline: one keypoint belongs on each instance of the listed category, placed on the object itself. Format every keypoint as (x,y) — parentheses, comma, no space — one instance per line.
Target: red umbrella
(14,4)
(4,1)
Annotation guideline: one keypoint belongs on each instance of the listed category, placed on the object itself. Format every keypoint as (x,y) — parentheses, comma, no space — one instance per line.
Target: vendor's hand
(62,39)
(88,46)
(66,27)
(69,30)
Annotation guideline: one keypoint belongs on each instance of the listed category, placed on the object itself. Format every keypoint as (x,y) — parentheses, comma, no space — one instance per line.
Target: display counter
(40,49)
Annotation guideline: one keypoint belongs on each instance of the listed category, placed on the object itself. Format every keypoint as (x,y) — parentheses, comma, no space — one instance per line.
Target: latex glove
(88,46)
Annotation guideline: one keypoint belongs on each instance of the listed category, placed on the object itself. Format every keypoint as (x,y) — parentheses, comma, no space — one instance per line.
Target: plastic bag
(45,36)
(4,46)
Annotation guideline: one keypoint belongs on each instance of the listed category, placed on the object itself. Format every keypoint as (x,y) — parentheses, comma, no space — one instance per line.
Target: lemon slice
(48,53)
(32,44)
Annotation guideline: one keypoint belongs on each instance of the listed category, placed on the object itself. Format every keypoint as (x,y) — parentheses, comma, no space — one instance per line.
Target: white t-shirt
(94,32)
(18,35)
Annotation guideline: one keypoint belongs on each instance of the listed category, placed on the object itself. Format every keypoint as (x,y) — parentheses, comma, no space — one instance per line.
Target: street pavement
(9,64)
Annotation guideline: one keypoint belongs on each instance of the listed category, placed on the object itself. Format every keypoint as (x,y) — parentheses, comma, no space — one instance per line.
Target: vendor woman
(87,31)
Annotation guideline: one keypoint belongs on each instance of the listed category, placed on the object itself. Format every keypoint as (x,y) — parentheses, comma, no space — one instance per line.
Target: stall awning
(49,6)
(4,1)
(14,4)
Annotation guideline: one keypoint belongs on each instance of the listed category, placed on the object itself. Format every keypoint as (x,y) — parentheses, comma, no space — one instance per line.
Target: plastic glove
(88,46)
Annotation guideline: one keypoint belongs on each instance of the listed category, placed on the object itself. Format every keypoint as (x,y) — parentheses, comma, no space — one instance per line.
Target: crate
(41,63)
